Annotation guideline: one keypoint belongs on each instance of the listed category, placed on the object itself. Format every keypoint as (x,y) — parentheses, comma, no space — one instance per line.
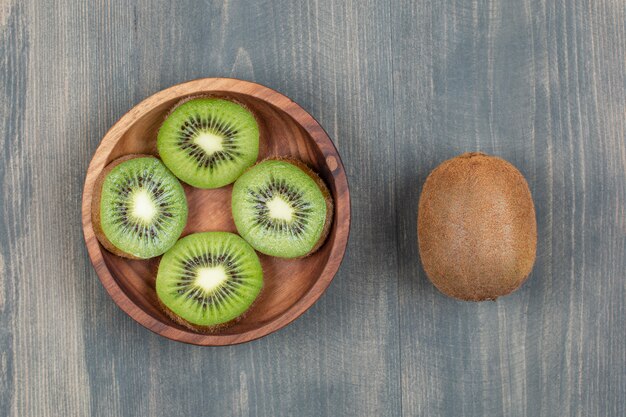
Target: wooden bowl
(291,286)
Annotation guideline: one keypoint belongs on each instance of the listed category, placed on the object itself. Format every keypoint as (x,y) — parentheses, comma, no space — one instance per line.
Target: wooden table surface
(399,86)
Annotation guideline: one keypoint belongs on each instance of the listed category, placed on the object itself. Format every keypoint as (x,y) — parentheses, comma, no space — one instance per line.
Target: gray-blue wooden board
(400,86)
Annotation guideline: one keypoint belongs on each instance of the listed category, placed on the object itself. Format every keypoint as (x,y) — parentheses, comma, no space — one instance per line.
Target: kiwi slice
(208,280)
(282,208)
(140,208)
(209,142)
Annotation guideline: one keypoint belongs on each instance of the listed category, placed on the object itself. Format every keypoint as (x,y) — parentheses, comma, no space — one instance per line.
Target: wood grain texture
(400,86)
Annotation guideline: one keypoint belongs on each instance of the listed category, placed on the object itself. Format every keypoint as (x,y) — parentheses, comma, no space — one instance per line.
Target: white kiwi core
(209,142)
(210,278)
(279,209)
(143,206)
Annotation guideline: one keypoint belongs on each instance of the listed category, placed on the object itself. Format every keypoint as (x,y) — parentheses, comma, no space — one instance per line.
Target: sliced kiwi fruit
(139,209)
(209,280)
(208,142)
(282,208)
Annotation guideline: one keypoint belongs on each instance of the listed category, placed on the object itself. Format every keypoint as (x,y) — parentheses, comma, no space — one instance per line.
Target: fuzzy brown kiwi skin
(206,329)
(325,192)
(95,205)
(466,284)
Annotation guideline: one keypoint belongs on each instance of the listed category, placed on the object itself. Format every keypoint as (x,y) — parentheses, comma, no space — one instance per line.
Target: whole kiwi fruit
(476,227)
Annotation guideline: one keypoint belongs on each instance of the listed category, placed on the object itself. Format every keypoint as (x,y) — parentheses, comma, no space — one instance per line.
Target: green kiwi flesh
(208,142)
(142,208)
(208,280)
(280,209)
